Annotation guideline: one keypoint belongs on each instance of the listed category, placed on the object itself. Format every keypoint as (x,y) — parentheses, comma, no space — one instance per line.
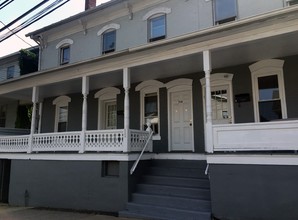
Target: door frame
(219,79)
(179,85)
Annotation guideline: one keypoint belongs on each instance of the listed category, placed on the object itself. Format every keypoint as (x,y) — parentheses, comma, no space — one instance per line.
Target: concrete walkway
(25,213)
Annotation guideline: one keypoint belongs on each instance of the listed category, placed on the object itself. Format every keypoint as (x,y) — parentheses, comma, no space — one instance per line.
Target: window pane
(111,115)
(268,88)
(10,72)
(225,9)
(270,110)
(63,114)
(158,27)
(109,41)
(151,111)
(65,55)
(219,103)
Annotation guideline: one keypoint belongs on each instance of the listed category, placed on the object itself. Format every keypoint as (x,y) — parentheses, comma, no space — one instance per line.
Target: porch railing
(94,141)
(267,136)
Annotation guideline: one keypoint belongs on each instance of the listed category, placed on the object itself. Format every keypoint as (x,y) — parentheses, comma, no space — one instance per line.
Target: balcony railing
(267,136)
(89,141)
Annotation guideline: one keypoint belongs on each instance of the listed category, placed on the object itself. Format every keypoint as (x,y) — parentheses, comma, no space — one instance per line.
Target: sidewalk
(26,213)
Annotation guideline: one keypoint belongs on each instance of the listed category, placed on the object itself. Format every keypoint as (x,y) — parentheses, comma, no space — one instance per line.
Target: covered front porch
(218,68)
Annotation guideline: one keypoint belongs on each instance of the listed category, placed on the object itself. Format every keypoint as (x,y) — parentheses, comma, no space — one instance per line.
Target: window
(64,55)
(225,11)
(61,118)
(64,50)
(268,90)
(291,2)
(110,115)
(149,100)
(10,72)
(2,116)
(107,107)
(110,169)
(157,28)
(109,41)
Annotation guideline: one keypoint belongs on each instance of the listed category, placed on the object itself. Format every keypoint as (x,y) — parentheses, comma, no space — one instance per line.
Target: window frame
(104,96)
(8,72)
(104,34)
(59,102)
(149,87)
(268,68)
(63,49)
(226,19)
(150,28)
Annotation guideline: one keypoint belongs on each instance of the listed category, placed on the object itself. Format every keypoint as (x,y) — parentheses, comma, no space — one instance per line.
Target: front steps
(172,189)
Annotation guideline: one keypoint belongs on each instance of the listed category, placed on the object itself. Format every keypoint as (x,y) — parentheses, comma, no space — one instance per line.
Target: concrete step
(199,164)
(177,172)
(155,212)
(172,202)
(176,181)
(186,192)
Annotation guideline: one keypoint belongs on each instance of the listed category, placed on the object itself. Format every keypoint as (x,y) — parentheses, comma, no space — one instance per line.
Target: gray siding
(251,192)
(185,17)
(68,184)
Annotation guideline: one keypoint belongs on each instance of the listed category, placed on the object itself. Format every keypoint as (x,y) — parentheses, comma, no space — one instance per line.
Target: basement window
(110,169)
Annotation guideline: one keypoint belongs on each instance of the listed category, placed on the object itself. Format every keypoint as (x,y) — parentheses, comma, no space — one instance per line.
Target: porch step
(172,189)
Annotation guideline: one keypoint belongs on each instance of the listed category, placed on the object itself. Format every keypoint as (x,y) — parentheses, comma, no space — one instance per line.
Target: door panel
(181,121)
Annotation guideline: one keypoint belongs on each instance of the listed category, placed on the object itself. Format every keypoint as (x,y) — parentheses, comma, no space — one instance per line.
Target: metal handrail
(134,166)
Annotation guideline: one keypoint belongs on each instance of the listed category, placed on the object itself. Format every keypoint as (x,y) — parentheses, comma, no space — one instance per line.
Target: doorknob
(190,124)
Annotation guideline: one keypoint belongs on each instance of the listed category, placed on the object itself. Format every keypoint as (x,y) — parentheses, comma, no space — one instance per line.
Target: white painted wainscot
(266,136)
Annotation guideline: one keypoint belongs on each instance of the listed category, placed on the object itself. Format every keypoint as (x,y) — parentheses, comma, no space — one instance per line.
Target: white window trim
(161,10)
(64,42)
(61,101)
(147,87)
(219,79)
(105,95)
(108,27)
(178,85)
(268,68)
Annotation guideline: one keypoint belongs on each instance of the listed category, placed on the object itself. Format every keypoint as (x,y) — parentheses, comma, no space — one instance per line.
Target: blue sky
(18,7)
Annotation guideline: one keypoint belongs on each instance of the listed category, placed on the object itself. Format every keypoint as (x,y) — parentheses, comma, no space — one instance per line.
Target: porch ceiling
(248,52)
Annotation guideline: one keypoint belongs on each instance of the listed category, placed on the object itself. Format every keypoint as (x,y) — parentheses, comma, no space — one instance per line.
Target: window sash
(225,10)
(110,115)
(151,112)
(65,55)
(10,72)
(157,27)
(109,41)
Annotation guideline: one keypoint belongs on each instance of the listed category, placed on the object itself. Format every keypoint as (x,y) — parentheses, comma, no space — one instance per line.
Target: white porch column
(35,94)
(208,125)
(39,116)
(126,86)
(85,92)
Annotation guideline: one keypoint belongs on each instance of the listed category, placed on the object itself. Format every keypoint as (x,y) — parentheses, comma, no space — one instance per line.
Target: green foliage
(24,114)
(28,61)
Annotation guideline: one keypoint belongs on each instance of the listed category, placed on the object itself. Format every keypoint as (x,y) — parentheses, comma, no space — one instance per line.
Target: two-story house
(215,82)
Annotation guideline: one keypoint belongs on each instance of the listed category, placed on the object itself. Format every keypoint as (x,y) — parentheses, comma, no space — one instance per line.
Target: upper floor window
(157,27)
(64,50)
(109,41)
(268,90)
(61,115)
(291,2)
(10,72)
(64,55)
(156,19)
(108,36)
(225,11)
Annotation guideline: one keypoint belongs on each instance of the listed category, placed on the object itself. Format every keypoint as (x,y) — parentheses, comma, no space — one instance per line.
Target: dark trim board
(254,192)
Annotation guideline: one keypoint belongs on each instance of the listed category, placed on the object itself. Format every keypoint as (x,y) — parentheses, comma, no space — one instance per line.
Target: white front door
(181,124)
